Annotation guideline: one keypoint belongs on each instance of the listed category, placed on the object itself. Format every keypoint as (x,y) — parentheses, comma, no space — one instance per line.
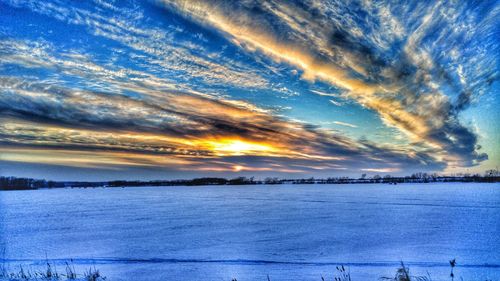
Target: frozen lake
(291,232)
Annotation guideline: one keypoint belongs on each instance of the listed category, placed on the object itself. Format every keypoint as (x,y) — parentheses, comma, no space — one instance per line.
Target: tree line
(14,183)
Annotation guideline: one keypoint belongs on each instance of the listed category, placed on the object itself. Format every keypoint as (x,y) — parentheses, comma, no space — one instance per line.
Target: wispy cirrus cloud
(196,129)
(399,70)
(155,49)
(194,87)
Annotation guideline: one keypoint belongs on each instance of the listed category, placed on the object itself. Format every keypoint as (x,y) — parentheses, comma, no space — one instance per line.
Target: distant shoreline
(14,183)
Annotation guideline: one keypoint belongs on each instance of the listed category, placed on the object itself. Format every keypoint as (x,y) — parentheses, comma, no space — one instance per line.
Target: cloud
(395,69)
(195,130)
(336,103)
(139,90)
(324,94)
(169,51)
(344,124)
(382,170)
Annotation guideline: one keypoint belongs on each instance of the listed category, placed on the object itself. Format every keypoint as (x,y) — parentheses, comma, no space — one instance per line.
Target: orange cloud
(418,116)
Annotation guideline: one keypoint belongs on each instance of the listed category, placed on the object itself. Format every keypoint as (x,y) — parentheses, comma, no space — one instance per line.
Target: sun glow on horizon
(238,147)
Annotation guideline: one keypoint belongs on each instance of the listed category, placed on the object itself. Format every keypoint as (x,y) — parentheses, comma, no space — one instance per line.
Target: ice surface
(291,232)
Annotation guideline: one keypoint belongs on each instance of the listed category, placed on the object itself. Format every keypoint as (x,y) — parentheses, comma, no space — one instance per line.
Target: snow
(289,232)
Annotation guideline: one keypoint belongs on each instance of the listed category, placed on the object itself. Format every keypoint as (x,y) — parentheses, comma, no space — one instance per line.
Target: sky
(171,89)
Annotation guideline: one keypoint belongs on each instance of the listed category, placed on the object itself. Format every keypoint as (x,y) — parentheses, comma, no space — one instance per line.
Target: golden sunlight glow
(238,168)
(237,147)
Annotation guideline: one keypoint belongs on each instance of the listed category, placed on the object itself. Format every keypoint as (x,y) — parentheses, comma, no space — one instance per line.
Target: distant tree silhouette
(14,183)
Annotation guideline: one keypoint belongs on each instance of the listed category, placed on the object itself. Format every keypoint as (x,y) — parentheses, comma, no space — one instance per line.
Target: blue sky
(178,89)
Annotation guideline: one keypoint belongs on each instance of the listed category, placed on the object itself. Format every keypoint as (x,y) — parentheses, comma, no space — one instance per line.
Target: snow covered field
(291,232)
